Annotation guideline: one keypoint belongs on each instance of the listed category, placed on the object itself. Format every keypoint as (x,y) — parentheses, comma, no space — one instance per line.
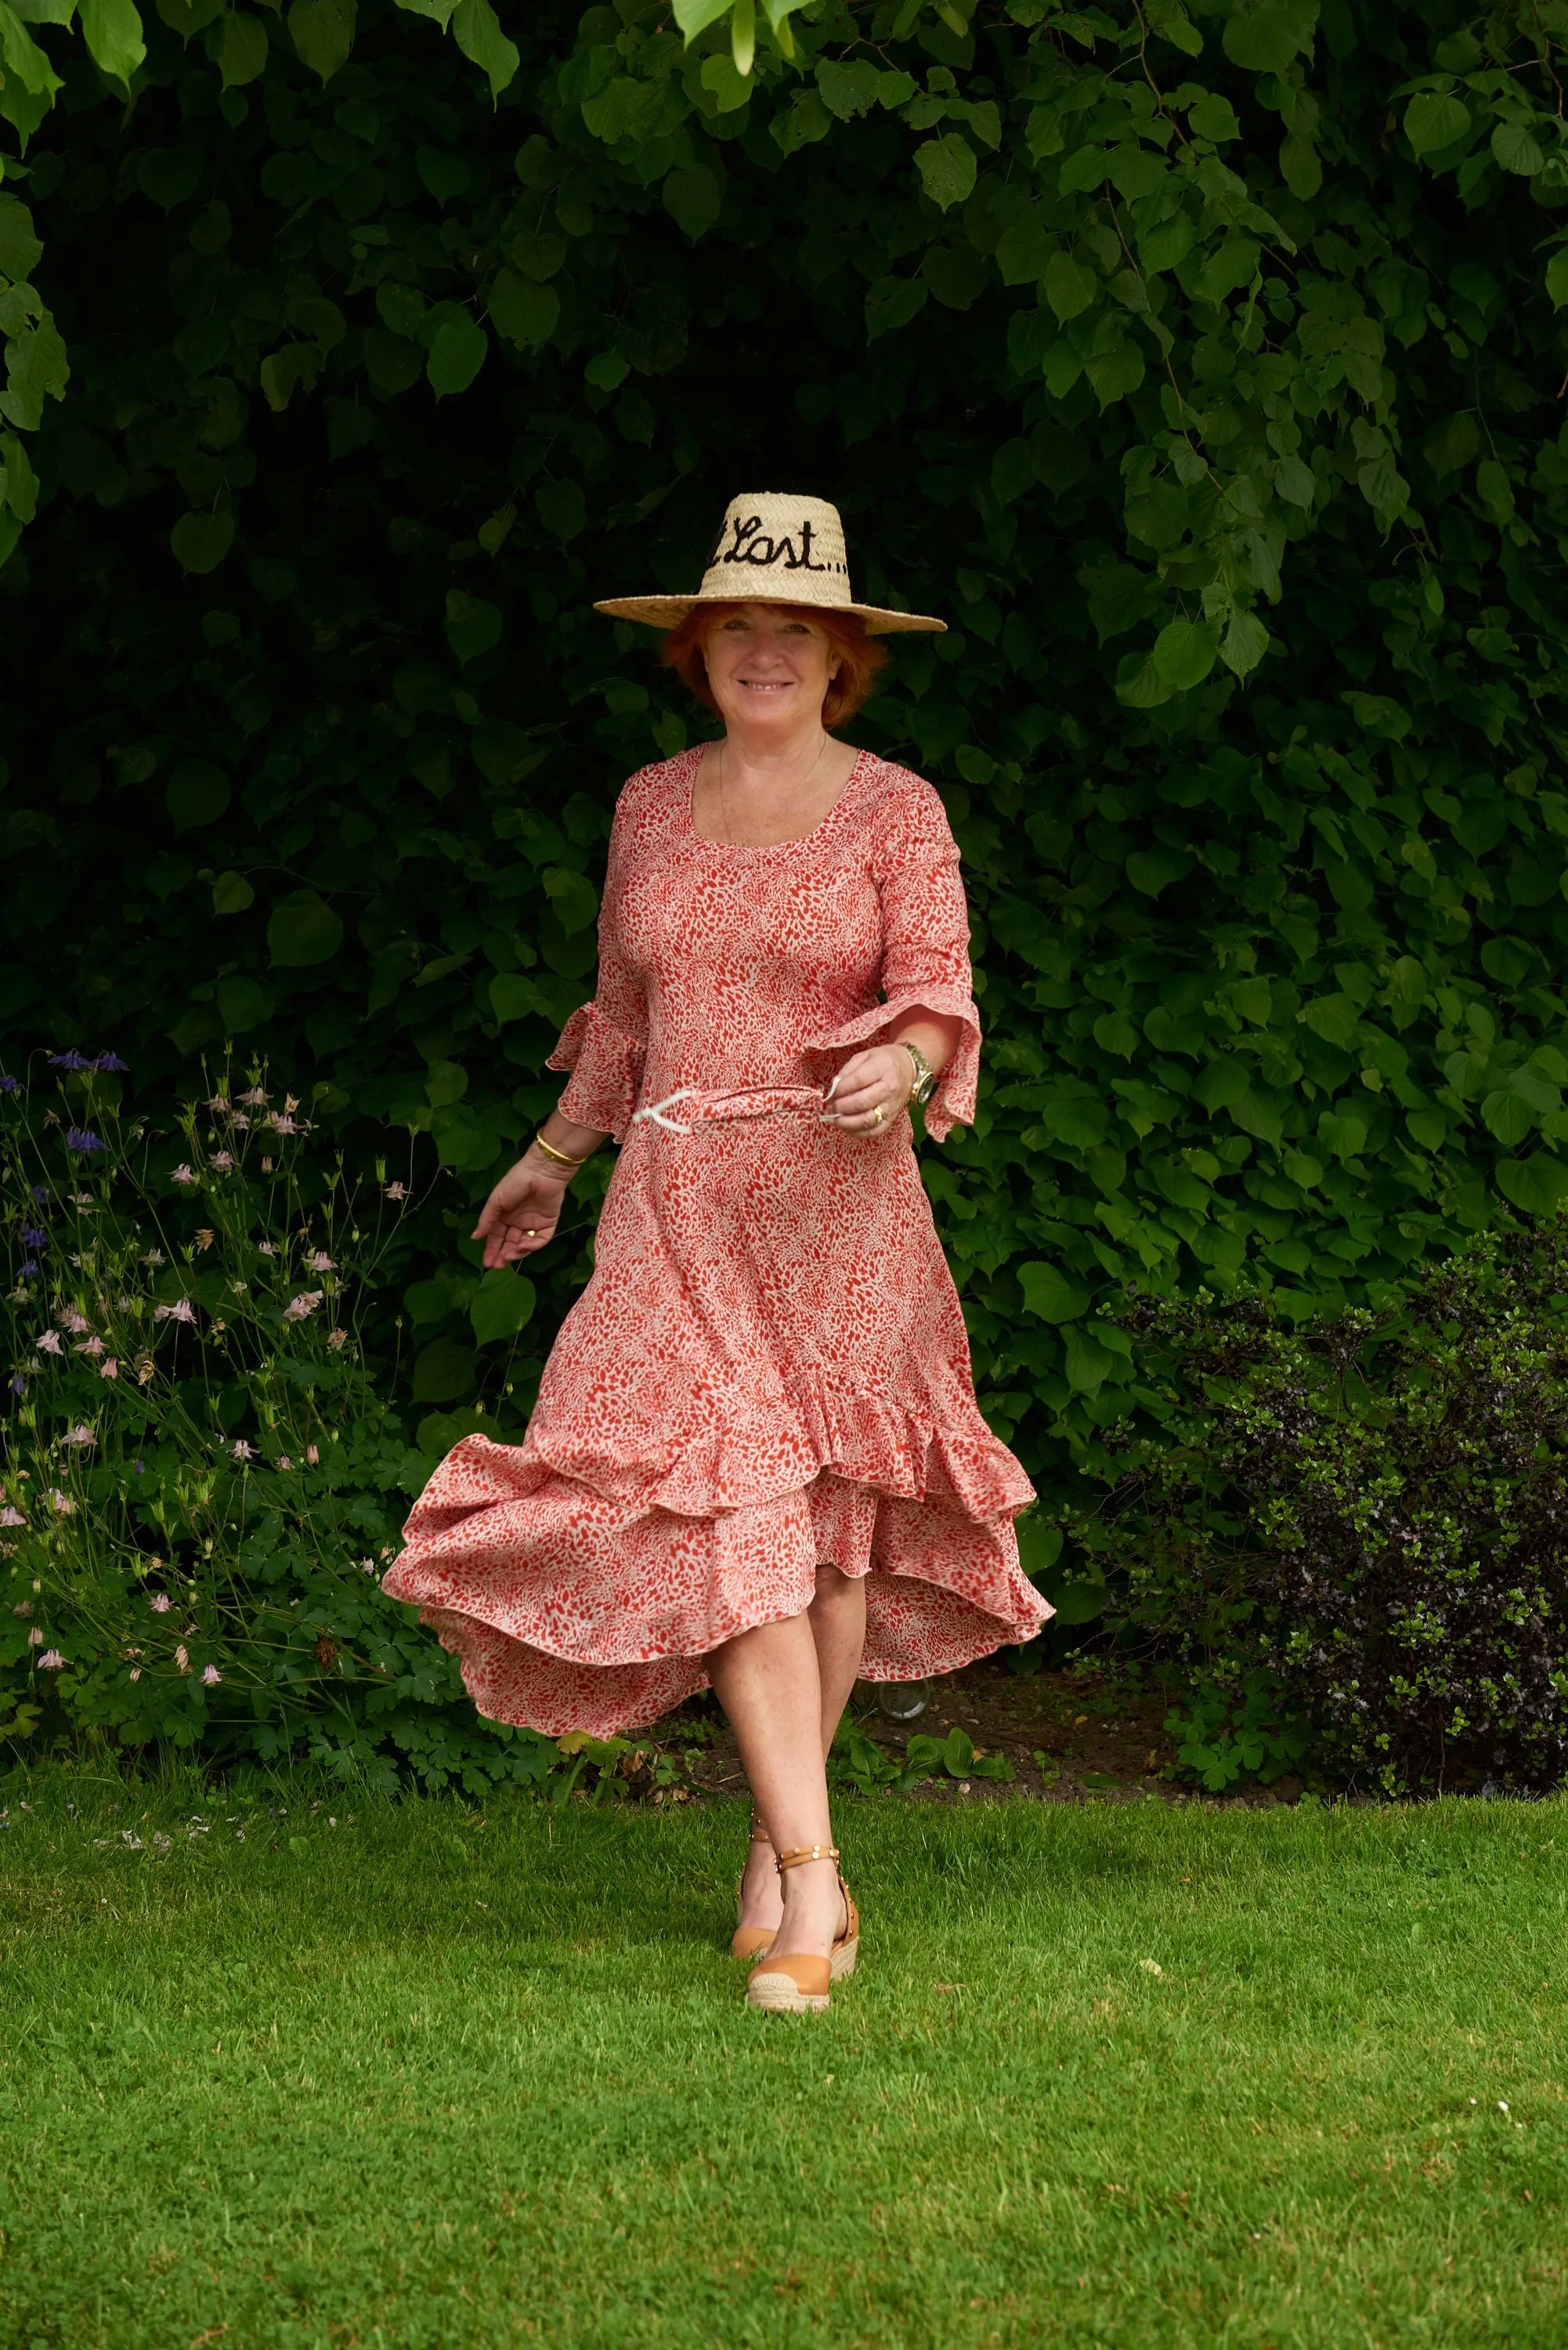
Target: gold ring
(877,1114)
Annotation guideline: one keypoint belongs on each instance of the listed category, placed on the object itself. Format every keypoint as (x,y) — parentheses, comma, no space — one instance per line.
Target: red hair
(860,656)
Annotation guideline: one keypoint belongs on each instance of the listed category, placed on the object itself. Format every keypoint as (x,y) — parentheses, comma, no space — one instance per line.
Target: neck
(765,752)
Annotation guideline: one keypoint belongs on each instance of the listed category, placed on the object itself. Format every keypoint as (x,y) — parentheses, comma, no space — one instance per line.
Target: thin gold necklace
(724,794)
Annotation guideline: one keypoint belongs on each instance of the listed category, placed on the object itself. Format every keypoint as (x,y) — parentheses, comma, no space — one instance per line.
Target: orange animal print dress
(768,1369)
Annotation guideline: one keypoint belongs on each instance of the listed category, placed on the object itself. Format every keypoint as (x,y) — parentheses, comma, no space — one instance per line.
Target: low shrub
(1359,1523)
(204,1477)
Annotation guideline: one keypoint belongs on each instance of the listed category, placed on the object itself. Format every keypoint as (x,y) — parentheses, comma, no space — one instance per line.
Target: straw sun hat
(773,548)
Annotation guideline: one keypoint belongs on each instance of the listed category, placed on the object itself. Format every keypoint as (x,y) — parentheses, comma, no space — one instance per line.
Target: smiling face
(769,667)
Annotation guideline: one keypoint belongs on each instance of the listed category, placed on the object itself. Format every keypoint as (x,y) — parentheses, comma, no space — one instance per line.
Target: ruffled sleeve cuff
(952,1104)
(606,1072)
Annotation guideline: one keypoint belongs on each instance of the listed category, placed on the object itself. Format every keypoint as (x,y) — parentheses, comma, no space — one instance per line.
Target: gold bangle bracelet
(559,1156)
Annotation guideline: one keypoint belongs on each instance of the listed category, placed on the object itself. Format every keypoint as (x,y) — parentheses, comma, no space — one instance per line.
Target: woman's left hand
(871,1090)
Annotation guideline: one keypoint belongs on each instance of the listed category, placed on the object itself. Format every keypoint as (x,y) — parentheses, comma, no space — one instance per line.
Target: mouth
(760,685)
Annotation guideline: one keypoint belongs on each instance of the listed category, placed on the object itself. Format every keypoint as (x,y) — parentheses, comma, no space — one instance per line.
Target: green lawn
(1121,2075)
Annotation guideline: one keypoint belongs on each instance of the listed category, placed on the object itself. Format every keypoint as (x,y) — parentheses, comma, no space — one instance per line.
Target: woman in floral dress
(756,1462)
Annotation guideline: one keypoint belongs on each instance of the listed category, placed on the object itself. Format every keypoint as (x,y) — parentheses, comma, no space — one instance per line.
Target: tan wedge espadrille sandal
(751,1942)
(798,1982)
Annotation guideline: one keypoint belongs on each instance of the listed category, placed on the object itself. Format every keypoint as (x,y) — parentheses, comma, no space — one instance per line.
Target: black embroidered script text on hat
(752,545)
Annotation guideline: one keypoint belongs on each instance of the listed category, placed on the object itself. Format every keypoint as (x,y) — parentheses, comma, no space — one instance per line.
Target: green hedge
(1177,360)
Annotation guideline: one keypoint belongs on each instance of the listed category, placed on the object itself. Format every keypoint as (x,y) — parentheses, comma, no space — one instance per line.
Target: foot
(761,1901)
(814,1914)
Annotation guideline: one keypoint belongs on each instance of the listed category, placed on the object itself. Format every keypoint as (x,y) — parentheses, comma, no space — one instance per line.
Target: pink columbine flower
(154,1257)
(109,1368)
(256,1098)
(161,1603)
(265,1248)
(12,1516)
(240,1451)
(182,1658)
(366,1566)
(180,1311)
(34,1638)
(210,1674)
(239,1123)
(74,1322)
(49,1342)
(336,1338)
(281,1124)
(397,1190)
(80,1436)
(93,1345)
(64,1507)
(51,1661)
(182,1174)
(312,1454)
(283,1462)
(321,1262)
(219,1101)
(305,1303)
(136,1672)
(223,1160)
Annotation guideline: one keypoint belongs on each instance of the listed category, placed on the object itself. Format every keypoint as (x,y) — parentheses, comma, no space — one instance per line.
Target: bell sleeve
(925,953)
(605,1042)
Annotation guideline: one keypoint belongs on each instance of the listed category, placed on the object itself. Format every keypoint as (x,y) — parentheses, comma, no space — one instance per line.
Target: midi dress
(768,1369)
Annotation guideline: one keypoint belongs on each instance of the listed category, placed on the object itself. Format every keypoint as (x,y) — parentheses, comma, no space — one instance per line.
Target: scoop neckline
(765,847)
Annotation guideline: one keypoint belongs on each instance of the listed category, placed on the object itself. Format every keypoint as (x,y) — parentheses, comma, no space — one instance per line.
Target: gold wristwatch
(924,1075)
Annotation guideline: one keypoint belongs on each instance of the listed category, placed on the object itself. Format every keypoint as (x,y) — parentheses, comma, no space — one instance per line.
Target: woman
(756,1460)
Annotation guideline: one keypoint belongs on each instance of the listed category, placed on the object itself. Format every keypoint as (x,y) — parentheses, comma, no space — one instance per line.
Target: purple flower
(83,1138)
(18,1384)
(10,1085)
(109,1063)
(29,1270)
(139,1468)
(32,1238)
(41,1196)
(73,1060)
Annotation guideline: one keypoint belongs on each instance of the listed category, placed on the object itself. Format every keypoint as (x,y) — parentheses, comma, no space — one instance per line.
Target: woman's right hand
(522,1212)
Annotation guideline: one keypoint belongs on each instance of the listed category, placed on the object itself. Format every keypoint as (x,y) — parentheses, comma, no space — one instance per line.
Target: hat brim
(668,611)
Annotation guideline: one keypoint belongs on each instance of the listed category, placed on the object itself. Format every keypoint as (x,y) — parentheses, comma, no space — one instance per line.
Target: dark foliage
(1371,1513)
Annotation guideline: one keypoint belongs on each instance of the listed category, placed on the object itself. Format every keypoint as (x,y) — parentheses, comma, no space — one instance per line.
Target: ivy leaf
(19,248)
(197,793)
(1435,119)
(849,89)
(572,896)
(1054,1295)
(1536,1186)
(1245,642)
(503,1304)
(693,200)
(113,31)
(200,541)
(1068,286)
(1265,35)
(525,314)
(303,930)
(472,626)
(322,34)
(1154,869)
(1517,148)
(477,31)
(947,168)
(1185,653)
(456,356)
(242,49)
